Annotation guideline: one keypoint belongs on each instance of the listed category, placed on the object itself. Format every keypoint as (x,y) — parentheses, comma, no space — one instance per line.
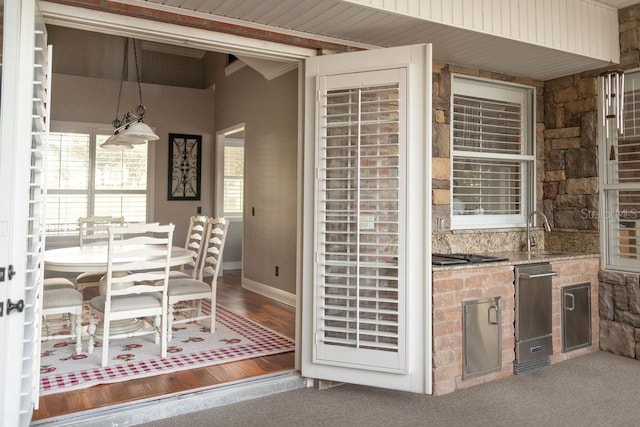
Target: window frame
(475,86)
(610,237)
(221,143)
(94,129)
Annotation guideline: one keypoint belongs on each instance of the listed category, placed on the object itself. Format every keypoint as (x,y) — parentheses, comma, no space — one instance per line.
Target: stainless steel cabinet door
(576,316)
(482,344)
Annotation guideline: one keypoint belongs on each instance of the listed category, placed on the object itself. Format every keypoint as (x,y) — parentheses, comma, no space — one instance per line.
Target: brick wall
(452,287)
(573,273)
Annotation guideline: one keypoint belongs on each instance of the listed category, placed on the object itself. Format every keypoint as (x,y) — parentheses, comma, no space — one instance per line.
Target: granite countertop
(521,257)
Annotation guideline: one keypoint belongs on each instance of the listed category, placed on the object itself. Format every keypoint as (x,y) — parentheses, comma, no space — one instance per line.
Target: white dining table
(79,259)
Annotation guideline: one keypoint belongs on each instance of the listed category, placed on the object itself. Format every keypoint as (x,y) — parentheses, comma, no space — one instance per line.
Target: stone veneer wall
(620,313)
(453,286)
(570,161)
(570,188)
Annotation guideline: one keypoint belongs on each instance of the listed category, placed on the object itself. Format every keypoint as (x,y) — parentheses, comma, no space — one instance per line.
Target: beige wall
(270,111)
(169,110)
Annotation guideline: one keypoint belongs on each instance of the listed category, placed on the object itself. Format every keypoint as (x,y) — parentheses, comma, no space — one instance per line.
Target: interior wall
(269,109)
(169,110)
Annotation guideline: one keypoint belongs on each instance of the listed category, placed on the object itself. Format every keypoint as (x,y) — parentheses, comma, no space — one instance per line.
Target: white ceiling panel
(369,23)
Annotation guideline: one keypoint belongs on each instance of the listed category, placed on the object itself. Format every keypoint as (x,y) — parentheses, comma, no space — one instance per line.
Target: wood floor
(231,295)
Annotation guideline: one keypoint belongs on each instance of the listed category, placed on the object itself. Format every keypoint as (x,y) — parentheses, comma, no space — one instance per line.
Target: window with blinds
(84,179)
(233,185)
(359,219)
(492,154)
(621,184)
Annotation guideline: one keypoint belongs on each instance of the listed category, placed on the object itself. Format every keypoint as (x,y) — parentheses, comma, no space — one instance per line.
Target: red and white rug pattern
(235,338)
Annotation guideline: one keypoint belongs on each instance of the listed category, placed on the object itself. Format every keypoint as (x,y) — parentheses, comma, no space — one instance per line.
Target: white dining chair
(93,231)
(137,255)
(194,242)
(57,302)
(194,291)
(58,283)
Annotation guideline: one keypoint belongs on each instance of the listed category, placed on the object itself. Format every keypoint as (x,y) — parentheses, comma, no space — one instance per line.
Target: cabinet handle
(573,301)
(495,308)
(535,276)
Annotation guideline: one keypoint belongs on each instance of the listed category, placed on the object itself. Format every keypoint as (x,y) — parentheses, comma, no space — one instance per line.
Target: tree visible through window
(84,179)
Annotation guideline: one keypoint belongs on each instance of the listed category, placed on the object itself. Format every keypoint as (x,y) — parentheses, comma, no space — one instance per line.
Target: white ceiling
(618,4)
(345,22)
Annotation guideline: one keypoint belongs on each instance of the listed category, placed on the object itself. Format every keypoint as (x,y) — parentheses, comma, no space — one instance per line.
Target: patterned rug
(192,346)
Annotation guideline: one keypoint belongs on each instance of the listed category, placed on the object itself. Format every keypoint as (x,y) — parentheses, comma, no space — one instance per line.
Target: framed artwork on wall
(185,152)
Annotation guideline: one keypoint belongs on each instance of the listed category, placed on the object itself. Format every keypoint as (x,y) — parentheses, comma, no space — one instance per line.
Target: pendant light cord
(116,122)
(135,57)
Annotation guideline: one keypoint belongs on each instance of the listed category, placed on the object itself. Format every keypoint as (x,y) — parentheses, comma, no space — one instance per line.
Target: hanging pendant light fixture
(131,129)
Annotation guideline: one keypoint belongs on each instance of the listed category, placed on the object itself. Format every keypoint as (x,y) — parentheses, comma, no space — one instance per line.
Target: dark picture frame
(185,161)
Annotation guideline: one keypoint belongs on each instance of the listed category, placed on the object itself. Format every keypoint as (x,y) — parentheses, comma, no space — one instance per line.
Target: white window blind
(85,179)
(492,155)
(621,185)
(233,186)
(360,214)
(68,166)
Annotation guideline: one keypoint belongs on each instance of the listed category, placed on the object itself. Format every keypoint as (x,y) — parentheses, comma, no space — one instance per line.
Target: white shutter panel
(35,227)
(360,308)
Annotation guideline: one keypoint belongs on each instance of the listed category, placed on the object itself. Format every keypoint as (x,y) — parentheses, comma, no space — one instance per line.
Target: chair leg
(170,318)
(213,316)
(92,332)
(77,320)
(163,335)
(105,342)
(157,326)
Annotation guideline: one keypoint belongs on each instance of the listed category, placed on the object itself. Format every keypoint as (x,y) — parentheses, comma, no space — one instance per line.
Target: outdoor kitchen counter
(520,257)
(452,285)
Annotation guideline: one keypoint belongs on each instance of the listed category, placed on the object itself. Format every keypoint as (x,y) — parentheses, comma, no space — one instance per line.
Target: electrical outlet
(277,270)
(199,210)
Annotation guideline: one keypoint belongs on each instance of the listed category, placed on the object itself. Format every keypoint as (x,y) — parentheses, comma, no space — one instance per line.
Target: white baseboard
(269,292)
(232,265)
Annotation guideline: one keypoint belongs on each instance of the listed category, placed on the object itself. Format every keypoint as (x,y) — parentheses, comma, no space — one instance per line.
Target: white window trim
(477,86)
(92,129)
(221,141)
(607,213)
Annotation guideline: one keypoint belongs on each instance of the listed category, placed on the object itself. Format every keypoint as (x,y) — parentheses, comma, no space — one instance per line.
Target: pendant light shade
(138,133)
(116,142)
(131,129)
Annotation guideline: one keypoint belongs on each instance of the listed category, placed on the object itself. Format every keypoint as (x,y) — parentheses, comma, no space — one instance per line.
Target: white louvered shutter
(35,227)
(360,207)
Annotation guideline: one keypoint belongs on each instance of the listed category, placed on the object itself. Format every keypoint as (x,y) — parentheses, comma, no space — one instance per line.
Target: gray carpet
(600,389)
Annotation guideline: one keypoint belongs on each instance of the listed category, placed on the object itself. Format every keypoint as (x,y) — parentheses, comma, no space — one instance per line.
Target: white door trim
(162,32)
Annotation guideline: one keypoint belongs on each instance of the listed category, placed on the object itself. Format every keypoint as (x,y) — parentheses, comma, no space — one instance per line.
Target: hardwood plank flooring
(231,295)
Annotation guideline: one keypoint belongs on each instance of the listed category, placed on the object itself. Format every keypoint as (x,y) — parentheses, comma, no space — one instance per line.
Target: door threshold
(171,405)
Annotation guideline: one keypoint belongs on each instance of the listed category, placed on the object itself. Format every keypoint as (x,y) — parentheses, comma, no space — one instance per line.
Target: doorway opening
(231,293)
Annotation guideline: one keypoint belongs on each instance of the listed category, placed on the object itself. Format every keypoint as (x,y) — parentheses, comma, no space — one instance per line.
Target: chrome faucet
(529,218)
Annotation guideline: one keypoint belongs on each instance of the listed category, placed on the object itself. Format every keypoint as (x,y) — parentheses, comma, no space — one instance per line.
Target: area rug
(192,346)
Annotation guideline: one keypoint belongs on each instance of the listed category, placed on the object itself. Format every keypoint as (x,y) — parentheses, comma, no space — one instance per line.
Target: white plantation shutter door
(35,226)
(360,307)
